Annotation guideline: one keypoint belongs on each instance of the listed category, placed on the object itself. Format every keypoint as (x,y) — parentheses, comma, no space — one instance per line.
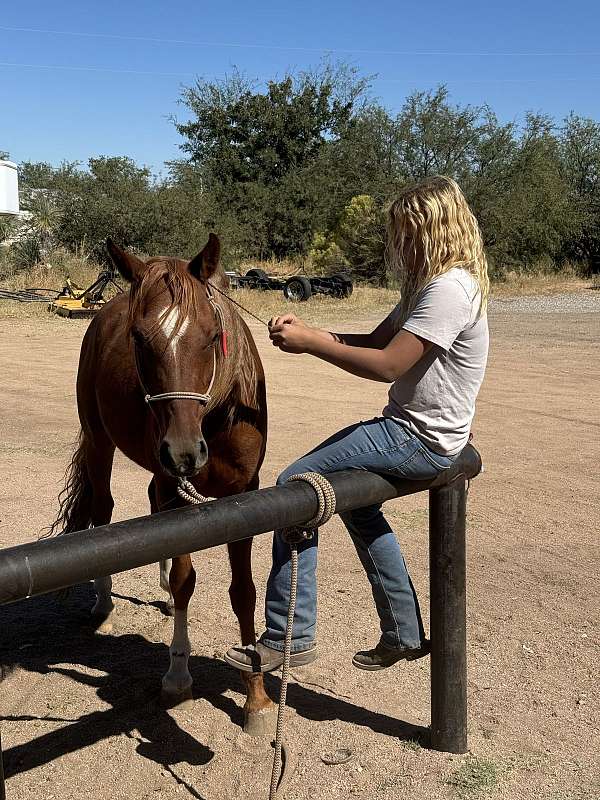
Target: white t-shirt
(436,398)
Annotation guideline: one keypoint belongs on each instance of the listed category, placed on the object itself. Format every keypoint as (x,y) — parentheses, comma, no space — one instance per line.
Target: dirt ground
(80,710)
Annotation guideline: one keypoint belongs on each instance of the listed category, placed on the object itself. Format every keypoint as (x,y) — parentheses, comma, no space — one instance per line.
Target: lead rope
(188,492)
(295,535)
(239,305)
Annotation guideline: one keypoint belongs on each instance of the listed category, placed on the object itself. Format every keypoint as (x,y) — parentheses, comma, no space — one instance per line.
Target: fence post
(448,616)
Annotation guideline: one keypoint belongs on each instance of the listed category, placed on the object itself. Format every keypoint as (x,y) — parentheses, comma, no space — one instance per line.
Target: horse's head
(175,330)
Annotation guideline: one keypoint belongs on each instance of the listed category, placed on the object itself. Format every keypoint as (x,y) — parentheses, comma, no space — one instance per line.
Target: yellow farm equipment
(74,302)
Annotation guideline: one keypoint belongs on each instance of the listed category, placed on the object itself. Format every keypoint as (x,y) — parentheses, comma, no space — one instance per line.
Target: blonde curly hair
(435,217)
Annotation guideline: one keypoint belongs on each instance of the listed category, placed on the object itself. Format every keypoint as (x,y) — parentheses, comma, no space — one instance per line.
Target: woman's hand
(286,319)
(291,334)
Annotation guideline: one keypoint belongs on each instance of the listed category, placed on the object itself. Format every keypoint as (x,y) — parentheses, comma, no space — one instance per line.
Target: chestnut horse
(171,335)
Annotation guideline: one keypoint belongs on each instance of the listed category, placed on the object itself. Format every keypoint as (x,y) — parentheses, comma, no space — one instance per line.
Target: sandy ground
(80,710)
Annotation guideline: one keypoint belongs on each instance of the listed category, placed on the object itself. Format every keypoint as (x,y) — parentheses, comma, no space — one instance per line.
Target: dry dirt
(80,710)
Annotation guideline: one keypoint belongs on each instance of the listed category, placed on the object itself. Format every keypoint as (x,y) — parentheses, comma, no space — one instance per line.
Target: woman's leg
(379,445)
(393,592)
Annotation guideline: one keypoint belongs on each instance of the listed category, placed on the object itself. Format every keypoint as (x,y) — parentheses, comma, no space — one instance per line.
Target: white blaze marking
(167,322)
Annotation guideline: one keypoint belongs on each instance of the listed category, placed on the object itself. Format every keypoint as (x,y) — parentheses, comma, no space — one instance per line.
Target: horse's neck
(239,364)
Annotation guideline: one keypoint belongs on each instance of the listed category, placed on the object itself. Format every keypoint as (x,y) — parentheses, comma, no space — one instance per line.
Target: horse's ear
(128,265)
(204,265)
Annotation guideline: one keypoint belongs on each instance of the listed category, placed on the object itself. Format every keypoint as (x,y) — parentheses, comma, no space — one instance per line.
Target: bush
(326,255)
(25,253)
(357,243)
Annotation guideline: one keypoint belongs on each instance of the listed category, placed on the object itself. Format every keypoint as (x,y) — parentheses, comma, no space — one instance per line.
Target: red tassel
(224,343)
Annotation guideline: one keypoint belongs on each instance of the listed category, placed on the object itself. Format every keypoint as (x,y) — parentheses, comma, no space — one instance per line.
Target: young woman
(433,349)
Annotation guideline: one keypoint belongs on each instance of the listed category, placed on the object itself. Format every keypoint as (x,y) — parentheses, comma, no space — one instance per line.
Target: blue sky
(112,91)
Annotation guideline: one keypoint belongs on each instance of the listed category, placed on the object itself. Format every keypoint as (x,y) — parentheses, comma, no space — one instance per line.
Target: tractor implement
(75,303)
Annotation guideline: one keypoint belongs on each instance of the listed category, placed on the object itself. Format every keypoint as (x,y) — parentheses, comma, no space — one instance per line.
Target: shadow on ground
(42,635)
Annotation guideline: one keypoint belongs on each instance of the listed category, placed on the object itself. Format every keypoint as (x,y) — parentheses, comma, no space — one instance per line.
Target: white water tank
(9,188)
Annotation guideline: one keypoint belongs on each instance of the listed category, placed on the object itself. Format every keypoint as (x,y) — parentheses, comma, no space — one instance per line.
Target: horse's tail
(75,500)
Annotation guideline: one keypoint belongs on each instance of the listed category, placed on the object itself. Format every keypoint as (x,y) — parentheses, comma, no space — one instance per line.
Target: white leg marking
(178,678)
(165,571)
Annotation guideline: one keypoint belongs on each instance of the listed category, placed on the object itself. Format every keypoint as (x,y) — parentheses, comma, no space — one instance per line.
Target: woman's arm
(378,339)
(386,364)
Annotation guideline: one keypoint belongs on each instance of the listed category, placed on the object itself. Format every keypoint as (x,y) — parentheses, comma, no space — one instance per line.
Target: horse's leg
(177,683)
(259,710)
(99,466)
(165,566)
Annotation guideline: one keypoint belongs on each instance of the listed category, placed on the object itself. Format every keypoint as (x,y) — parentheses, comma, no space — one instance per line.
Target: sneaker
(383,656)
(260,658)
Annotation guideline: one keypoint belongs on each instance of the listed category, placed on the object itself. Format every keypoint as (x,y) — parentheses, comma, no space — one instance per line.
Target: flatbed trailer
(296,288)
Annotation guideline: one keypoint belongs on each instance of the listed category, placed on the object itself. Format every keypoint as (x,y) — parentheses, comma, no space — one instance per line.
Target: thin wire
(94,69)
(376,79)
(239,305)
(254,46)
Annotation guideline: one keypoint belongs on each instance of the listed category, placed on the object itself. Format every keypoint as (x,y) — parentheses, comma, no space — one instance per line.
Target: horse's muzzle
(183,461)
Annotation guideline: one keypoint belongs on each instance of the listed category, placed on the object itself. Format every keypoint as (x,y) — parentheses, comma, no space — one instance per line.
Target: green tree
(580,151)
(255,149)
(534,215)
(437,138)
(113,197)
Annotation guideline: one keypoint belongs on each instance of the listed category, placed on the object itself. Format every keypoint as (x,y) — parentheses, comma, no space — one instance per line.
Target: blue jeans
(380,445)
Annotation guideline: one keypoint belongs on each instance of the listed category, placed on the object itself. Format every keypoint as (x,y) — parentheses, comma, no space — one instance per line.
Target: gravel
(569,303)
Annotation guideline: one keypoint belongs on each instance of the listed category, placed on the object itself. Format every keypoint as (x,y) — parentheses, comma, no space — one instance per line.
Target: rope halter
(201,398)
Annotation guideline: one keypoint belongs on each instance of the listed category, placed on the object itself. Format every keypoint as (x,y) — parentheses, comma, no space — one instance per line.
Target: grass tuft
(412,744)
(475,777)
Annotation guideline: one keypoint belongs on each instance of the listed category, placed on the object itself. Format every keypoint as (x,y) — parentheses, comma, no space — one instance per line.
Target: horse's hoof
(261,723)
(103,622)
(181,700)
(105,627)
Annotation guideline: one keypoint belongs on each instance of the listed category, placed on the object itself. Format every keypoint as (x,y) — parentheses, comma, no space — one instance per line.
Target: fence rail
(47,565)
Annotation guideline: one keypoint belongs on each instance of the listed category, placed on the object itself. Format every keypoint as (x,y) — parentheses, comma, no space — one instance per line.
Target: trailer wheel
(345,283)
(259,274)
(297,289)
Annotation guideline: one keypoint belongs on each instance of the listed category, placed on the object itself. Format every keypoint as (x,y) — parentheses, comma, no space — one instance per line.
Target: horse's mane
(182,288)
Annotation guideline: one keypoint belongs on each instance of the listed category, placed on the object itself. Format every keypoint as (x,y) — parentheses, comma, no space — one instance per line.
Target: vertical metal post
(448,616)
(2,790)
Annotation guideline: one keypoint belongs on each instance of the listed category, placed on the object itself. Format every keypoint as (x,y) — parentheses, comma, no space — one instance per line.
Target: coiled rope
(295,535)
